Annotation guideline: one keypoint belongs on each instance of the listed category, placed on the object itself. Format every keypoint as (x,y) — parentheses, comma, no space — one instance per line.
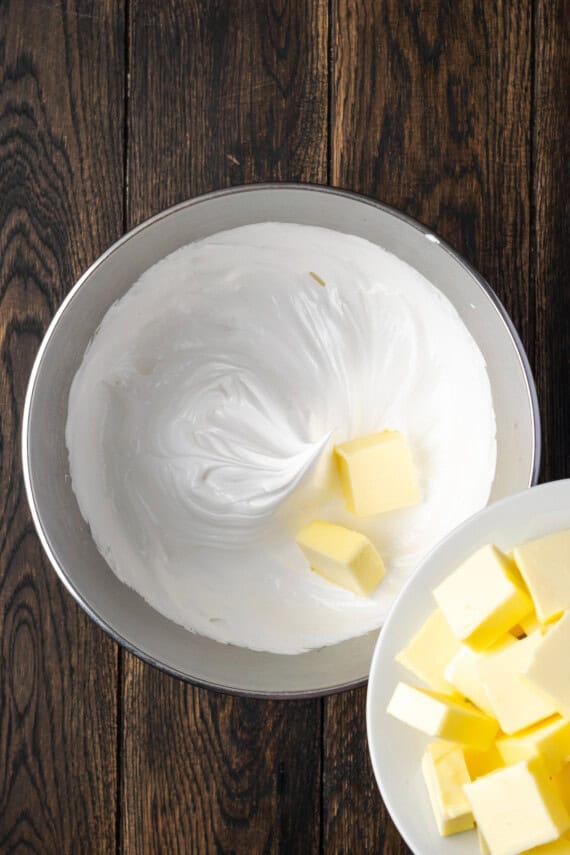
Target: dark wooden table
(455,111)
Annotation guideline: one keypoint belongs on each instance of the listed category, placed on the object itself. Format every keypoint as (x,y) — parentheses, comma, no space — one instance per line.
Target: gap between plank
(119,753)
(532,194)
(120,651)
(330,62)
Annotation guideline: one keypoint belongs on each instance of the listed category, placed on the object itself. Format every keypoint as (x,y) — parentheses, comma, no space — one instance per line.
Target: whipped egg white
(202,420)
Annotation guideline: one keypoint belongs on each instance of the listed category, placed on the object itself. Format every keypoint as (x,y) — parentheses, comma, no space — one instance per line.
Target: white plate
(395,748)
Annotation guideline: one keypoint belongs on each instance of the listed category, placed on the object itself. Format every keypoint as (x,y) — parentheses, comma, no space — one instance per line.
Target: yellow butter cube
(445,773)
(549,669)
(483,598)
(515,702)
(463,673)
(483,848)
(545,566)
(377,473)
(557,847)
(530,623)
(342,556)
(430,651)
(481,763)
(562,781)
(549,740)
(513,750)
(442,715)
(517,807)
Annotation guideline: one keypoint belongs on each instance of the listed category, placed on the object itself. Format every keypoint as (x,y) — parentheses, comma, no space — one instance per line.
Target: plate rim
(474,521)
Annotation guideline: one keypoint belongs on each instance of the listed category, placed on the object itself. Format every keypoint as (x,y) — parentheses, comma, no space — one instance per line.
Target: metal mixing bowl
(66,537)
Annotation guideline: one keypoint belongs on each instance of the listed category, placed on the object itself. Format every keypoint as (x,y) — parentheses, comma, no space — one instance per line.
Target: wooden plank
(211,773)
(354,816)
(61,119)
(430,111)
(221,94)
(225,93)
(551,147)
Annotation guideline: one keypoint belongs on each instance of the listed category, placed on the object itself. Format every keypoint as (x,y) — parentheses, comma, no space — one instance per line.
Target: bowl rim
(473,521)
(117,246)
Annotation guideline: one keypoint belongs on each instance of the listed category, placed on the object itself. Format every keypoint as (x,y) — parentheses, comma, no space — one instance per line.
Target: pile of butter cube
(376,475)
(495,660)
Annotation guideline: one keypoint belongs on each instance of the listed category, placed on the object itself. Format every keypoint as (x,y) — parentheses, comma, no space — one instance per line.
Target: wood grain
(61,107)
(221,93)
(551,259)
(225,93)
(212,773)
(354,816)
(430,112)
(456,112)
